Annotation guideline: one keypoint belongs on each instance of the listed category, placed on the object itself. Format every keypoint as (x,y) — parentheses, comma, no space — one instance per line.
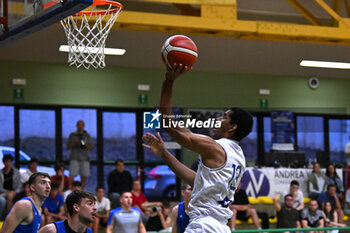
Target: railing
(324,229)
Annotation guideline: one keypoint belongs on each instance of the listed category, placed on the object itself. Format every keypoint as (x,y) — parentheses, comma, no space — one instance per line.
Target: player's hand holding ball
(179,54)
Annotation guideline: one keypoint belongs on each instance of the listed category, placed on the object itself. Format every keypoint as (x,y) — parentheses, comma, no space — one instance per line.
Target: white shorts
(207,224)
(79,167)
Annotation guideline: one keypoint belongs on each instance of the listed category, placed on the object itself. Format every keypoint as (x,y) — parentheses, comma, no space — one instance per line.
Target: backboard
(19,18)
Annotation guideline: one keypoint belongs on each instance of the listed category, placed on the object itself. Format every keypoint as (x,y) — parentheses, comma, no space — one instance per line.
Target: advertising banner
(273,182)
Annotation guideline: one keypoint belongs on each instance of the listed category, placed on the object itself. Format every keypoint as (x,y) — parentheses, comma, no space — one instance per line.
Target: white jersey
(214,189)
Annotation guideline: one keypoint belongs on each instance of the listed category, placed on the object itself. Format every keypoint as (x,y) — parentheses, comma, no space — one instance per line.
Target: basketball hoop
(86,39)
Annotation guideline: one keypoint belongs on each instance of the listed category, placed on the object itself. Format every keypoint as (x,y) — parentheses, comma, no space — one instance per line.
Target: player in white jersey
(221,161)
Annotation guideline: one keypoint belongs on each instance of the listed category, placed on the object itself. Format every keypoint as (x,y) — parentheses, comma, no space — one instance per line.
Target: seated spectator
(159,219)
(333,178)
(298,197)
(331,217)
(139,199)
(103,208)
(24,193)
(331,196)
(53,207)
(76,185)
(179,215)
(242,210)
(32,168)
(10,183)
(287,216)
(62,180)
(119,180)
(317,182)
(312,217)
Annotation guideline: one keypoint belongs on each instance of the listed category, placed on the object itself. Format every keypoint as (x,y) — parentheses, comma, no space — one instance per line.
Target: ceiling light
(325,64)
(107,51)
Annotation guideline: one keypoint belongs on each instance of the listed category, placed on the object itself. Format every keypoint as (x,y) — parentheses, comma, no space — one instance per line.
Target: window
(91,181)
(250,144)
(339,136)
(160,183)
(70,116)
(310,134)
(267,134)
(7,131)
(38,133)
(119,136)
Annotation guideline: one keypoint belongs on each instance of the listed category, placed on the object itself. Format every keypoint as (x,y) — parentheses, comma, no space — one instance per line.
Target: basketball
(179,49)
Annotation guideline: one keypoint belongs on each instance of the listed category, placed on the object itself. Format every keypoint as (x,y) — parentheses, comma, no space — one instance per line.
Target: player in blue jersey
(25,214)
(179,215)
(81,210)
(221,160)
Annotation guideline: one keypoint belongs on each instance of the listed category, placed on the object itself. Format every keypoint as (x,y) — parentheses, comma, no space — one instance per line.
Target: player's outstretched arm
(19,213)
(50,228)
(156,145)
(201,144)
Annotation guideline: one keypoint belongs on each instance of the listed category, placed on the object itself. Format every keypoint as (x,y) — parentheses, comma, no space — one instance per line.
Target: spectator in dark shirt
(159,219)
(242,210)
(119,180)
(10,183)
(24,193)
(312,217)
(331,196)
(333,178)
(287,216)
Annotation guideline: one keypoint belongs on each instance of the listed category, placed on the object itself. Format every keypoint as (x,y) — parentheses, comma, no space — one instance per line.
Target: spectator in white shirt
(298,197)
(76,185)
(32,168)
(103,208)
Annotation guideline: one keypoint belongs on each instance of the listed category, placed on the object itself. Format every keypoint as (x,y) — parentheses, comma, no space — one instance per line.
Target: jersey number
(237,169)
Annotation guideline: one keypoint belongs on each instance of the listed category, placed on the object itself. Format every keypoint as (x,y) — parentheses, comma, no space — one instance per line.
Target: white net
(86,36)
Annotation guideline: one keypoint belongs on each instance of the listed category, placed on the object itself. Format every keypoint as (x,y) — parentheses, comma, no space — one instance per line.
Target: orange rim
(117,6)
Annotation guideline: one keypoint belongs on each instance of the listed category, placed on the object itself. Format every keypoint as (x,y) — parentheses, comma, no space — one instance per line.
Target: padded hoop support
(48,17)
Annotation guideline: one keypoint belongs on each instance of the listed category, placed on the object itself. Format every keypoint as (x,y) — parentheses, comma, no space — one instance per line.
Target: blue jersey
(182,219)
(34,226)
(63,227)
(53,206)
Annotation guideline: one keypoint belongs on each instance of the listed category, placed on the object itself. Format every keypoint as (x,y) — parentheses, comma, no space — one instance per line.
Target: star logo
(155,115)
(225,203)
(151,120)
